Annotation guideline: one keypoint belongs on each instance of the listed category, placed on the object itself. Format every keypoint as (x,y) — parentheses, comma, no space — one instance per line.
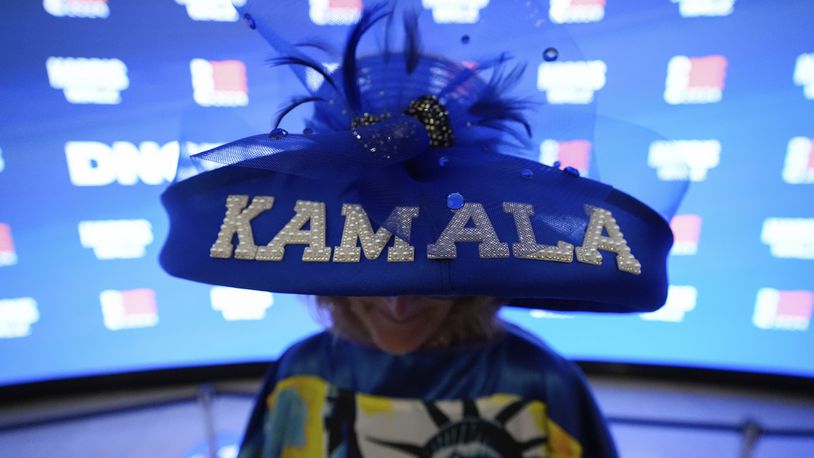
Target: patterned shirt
(510,397)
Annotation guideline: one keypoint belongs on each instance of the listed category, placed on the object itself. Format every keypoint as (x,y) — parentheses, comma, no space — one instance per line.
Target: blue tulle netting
(481,113)
(485,112)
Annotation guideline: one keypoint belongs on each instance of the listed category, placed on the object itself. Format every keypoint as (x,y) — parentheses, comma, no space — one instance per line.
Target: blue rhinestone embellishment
(278,133)
(455,201)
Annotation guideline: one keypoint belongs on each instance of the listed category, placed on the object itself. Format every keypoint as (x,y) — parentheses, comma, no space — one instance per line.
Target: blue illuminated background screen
(97,98)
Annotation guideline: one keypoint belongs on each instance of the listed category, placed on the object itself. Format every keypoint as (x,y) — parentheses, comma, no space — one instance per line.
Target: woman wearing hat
(419,376)
(398,211)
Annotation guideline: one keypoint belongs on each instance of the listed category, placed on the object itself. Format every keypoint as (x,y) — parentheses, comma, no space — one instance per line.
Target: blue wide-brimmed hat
(406,180)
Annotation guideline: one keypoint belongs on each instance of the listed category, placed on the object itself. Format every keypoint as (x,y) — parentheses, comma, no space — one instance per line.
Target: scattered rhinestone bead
(250,21)
(455,201)
(278,133)
(571,171)
(551,54)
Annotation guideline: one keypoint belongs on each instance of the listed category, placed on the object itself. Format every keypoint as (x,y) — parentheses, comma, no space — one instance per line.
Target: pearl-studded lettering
(490,246)
(238,221)
(357,226)
(239,216)
(615,242)
(528,248)
(292,233)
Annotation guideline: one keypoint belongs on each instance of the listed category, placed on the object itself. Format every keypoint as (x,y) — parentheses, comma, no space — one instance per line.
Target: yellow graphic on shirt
(498,425)
(374,405)
(296,407)
(561,444)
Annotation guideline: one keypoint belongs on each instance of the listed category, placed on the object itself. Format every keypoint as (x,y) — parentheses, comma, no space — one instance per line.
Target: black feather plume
(294,104)
(349,70)
(412,41)
(466,73)
(291,60)
(388,37)
(494,109)
(320,45)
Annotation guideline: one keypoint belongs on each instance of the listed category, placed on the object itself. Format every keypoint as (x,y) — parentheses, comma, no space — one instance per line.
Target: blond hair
(470,319)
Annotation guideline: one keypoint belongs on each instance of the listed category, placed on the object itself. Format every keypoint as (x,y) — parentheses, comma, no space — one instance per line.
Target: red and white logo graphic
(680,300)
(212,10)
(335,12)
(686,232)
(116,239)
(799,165)
(455,11)
(16,317)
(572,153)
(696,8)
(695,79)
(789,237)
(77,8)
(8,256)
(219,83)
(785,310)
(237,304)
(572,82)
(98,164)
(135,308)
(88,80)
(563,11)
(684,159)
(804,74)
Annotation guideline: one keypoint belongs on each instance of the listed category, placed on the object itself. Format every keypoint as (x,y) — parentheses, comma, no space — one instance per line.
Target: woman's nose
(400,307)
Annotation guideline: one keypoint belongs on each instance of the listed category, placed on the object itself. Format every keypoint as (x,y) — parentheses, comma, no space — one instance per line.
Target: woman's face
(401,324)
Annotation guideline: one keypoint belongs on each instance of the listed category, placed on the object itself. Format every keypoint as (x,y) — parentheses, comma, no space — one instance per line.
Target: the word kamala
(358,228)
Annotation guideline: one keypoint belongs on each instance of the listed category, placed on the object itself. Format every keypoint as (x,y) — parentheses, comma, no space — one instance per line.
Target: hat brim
(562,203)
